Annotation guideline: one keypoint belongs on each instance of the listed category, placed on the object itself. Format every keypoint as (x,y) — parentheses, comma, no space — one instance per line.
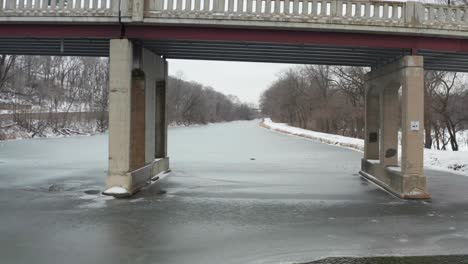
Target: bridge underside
(86,47)
(343,51)
(274,53)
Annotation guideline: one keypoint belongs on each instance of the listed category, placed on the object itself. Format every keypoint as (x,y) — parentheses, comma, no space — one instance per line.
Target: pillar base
(129,183)
(410,187)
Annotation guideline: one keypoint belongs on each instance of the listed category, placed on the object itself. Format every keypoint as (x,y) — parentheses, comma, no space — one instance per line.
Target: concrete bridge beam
(406,181)
(136,118)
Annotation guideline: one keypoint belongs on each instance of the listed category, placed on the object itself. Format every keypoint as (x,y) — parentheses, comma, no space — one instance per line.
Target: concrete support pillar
(371,141)
(134,73)
(120,87)
(149,60)
(161,115)
(389,125)
(412,143)
(138,121)
(407,181)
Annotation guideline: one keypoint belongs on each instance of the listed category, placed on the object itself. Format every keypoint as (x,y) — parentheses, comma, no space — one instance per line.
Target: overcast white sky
(244,79)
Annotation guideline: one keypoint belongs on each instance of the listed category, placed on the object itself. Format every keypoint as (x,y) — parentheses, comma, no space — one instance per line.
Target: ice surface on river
(297,200)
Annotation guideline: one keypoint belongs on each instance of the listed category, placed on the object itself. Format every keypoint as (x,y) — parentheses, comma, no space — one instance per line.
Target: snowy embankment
(13,131)
(452,161)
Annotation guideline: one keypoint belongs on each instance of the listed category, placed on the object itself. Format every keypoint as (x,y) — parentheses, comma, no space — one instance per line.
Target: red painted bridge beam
(192,33)
(60,31)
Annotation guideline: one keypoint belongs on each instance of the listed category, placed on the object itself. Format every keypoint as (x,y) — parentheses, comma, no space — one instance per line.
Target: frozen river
(237,193)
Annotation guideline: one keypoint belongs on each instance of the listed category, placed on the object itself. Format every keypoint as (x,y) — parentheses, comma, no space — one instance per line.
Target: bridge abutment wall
(137,122)
(383,99)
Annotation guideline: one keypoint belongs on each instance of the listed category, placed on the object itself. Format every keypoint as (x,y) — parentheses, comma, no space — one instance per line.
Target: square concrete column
(120,86)
(389,125)
(126,117)
(371,141)
(412,144)
(161,115)
(407,181)
(132,115)
(150,65)
(138,120)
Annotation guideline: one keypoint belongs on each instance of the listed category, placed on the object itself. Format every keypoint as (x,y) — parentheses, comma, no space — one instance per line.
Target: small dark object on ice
(252,158)
(56,188)
(92,192)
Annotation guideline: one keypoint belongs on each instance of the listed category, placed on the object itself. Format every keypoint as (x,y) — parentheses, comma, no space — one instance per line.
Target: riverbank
(451,161)
(13,131)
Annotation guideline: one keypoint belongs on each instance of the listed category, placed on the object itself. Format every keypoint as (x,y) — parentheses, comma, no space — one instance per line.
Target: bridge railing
(437,14)
(410,14)
(61,8)
(352,12)
(389,11)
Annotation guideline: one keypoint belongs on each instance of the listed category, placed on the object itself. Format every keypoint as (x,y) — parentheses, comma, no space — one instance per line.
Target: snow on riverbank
(452,161)
(331,139)
(12,131)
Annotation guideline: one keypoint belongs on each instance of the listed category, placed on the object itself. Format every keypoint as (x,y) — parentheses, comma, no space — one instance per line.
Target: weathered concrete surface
(389,126)
(372,111)
(407,181)
(412,110)
(137,120)
(120,114)
(149,65)
(297,201)
(120,84)
(412,17)
(137,123)
(161,110)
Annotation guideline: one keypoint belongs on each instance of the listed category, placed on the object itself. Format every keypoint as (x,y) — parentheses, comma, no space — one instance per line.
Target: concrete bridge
(397,40)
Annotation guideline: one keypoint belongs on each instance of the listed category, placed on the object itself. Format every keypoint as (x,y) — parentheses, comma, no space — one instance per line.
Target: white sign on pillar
(414,125)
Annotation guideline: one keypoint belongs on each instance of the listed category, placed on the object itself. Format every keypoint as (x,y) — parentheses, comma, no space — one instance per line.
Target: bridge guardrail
(340,12)
(391,11)
(445,14)
(409,14)
(30,9)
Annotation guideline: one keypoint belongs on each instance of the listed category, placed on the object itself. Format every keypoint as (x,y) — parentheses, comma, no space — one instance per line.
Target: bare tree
(312,98)
(449,97)
(190,102)
(6,66)
(350,80)
(432,80)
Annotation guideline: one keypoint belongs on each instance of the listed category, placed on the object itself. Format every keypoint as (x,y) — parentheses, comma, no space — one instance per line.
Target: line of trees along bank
(70,85)
(331,99)
(192,103)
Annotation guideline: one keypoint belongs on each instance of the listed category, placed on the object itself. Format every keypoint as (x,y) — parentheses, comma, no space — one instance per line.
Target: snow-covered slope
(453,161)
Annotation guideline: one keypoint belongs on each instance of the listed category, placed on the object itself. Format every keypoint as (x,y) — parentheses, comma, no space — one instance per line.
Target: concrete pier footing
(383,115)
(137,118)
